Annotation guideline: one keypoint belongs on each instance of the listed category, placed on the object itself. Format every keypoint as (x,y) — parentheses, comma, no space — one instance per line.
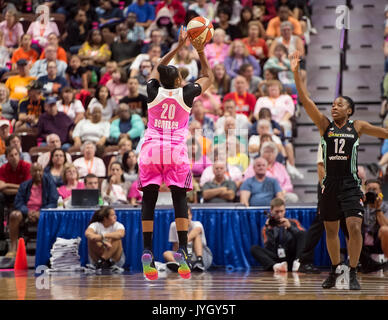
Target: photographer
(374,227)
(283,241)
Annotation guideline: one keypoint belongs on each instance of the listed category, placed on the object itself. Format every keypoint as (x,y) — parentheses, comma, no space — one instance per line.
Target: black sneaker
(372,266)
(331,280)
(353,282)
(99,264)
(173,266)
(308,268)
(107,264)
(198,266)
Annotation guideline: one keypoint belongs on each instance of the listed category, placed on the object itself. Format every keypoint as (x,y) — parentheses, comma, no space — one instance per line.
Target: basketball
(200,28)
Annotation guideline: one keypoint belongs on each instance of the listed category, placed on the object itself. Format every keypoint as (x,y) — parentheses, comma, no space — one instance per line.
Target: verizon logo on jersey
(337,157)
(165,124)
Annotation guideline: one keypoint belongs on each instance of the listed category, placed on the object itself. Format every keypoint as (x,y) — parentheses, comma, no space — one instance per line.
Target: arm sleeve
(190,91)
(152,89)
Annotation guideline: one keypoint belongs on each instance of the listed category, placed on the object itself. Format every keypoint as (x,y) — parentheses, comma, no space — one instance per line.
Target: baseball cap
(4,122)
(51,100)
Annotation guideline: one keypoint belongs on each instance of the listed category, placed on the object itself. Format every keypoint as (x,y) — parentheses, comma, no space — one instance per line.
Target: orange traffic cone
(21,256)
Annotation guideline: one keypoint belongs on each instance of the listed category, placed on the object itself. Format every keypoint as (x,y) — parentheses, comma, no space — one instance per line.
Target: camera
(272,222)
(370,197)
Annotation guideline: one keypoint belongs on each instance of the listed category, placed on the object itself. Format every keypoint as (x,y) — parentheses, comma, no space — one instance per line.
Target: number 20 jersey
(340,151)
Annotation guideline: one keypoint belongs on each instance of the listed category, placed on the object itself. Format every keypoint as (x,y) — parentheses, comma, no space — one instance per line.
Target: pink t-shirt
(209,108)
(117,90)
(65,192)
(35,201)
(216,53)
(11,36)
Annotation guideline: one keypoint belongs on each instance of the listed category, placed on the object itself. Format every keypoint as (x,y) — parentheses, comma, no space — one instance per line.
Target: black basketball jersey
(340,151)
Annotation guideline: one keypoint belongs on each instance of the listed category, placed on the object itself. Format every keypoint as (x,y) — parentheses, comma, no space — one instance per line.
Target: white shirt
(89,131)
(242,123)
(107,111)
(99,228)
(95,166)
(255,140)
(173,234)
(72,110)
(235,174)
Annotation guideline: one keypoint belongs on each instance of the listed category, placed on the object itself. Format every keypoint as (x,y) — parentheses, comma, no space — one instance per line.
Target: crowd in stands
(73,96)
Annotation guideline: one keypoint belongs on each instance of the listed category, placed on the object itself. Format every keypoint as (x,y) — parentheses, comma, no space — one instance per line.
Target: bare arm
(206,76)
(244,197)
(363,127)
(321,172)
(316,116)
(211,193)
(117,235)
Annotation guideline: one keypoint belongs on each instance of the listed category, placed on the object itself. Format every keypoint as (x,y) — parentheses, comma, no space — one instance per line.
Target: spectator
(217,51)
(53,141)
(145,12)
(24,52)
(76,75)
(124,145)
(31,107)
(124,50)
(201,257)
(70,180)
(39,192)
(143,76)
(94,129)
(91,181)
(89,163)
(52,82)
(17,85)
(211,103)
(7,110)
(203,8)
(245,101)
(234,6)
(128,125)
(135,33)
(374,227)
(164,22)
(105,102)
(184,59)
(117,86)
(53,40)
(264,10)
(199,160)
(4,134)
(273,29)
(39,68)
(220,190)
(110,67)
(281,105)
(153,54)
(204,118)
(70,106)
(242,122)
(156,37)
(53,121)
(196,132)
(246,70)
(221,82)
(246,16)
(255,41)
(223,16)
(239,55)
(77,31)
(12,29)
(14,140)
(55,166)
(260,189)
(236,151)
(136,101)
(283,240)
(41,28)
(230,132)
(109,15)
(105,235)
(114,189)
(94,52)
(131,168)
(176,8)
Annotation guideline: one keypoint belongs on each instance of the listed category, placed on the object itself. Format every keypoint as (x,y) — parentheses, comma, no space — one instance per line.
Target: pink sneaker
(280,267)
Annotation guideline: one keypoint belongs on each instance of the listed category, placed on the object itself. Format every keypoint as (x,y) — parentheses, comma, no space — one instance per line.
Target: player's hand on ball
(182,36)
(198,44)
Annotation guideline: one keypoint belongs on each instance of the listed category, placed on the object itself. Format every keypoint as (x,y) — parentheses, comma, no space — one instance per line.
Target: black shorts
(341,198)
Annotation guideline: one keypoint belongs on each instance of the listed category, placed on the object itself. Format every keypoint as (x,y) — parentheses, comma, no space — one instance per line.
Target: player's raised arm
(206,76)
(316,116)
(364,127)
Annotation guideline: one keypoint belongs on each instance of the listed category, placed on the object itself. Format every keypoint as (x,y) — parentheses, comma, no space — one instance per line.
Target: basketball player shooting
(163,156)
(341,193)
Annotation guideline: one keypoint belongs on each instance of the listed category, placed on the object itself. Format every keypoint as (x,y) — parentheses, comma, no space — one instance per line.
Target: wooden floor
(212,285)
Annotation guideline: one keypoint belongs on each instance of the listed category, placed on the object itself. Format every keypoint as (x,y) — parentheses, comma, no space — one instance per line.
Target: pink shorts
(167,164)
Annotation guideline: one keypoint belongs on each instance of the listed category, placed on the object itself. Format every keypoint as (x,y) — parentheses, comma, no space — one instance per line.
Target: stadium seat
(29,140)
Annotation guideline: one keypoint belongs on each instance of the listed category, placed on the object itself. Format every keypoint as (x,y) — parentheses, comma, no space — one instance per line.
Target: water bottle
(60,202)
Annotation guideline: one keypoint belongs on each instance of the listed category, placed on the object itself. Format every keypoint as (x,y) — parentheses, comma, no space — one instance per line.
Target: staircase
(361,81)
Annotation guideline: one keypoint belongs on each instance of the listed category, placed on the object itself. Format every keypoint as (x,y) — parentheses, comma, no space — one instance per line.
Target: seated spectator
(104,235)
(242,122)
(89,163)
(39,68)
(124,50)
(117,86)
(204,9)
(12,29)
(246,16)
(283,240)
(41,28)
(4,134)
(55,166)
(53,141)
(31,107)
(246,70)
(24,52)
(223,15)
(17,85)
(7,109)
(196,132)
(201,257)
(245,101)
(127,125)
(145,12)
(143,76)
(220,190)
(185,60)
(94,52)
(239,55)
(70,106)
(221,82)
(255,41)
(124,144)
(135,32)
(52,82)
(199,161)
(198,113)
(281,105)
(157,38)
(236,151)
(259,190)
(14,140)
(273,28)
(39,192)
(230,131)
(105,102)
(153,54)
(77,30)
(70,180)
(218,49)
(136,101)
(130,165)
(176,7)
(109,14)
(54,121)
(90,182)
(53,40)
(76,75)
(94,129)
(374,227)
(114,189)
(110,67)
